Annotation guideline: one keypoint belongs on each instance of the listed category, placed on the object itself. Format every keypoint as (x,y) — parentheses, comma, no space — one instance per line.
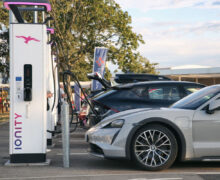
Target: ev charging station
(50,88)
(53,87)
(28,83)
(56,91)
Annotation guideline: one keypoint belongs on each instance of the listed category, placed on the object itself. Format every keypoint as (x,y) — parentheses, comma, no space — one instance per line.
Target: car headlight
(115,124)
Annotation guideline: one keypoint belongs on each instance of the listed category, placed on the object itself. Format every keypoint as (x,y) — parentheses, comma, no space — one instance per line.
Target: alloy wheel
(152,148)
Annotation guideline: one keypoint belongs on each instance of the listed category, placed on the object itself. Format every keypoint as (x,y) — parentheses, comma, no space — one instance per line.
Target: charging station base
(9,164)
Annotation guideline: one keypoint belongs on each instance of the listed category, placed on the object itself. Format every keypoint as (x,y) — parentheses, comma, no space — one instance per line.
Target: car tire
(154,147)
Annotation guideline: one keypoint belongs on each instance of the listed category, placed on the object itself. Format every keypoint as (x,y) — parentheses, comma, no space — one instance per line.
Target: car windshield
(196,99)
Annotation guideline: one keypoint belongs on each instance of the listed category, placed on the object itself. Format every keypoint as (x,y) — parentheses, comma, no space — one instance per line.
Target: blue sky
(177,32)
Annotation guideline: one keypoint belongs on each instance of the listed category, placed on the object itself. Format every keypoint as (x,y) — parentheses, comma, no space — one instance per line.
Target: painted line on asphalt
(97,175)
(60,154)
(208,173)
(157,179)
(100,175)
(75,140)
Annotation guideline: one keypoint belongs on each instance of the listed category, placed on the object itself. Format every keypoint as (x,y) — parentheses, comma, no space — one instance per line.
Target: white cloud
(141,20)
(179,43)
(170,51)
(145,5)
(176,29)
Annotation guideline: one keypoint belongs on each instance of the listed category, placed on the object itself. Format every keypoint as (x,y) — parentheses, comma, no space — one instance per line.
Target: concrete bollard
(65,134)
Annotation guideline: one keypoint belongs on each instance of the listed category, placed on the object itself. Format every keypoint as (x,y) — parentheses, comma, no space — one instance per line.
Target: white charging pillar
(57,91)
(50,87)
(28,93)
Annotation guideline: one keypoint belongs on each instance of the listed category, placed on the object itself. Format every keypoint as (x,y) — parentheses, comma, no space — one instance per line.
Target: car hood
(181,117)
(121,115)
(126,113)
(178,116)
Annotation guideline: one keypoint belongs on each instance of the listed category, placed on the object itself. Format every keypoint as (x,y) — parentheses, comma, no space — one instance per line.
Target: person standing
(6,105)
(3,105)
(62,93)
(49,95)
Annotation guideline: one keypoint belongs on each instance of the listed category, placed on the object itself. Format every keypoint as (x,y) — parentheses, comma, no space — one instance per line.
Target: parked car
(155,138)
(123,79)
(152,94)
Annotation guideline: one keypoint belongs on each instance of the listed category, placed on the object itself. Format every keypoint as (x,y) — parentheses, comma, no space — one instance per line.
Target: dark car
(152,94)
(123,79)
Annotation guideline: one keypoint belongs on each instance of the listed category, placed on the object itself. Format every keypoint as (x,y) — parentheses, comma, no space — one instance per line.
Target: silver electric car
(155,138)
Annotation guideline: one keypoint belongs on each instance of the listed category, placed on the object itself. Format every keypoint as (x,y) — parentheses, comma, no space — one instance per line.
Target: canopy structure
(201,74)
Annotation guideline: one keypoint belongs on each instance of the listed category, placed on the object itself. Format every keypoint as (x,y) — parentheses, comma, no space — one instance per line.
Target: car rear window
(164,93)
(156,92)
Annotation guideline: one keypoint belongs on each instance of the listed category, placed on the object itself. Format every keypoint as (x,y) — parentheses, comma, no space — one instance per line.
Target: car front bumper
(103,142)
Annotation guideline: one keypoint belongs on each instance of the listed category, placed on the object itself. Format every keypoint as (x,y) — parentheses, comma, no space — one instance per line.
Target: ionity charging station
(29,54)
(52,87)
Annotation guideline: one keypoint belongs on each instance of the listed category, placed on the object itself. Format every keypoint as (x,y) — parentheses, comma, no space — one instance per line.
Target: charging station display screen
(27,82)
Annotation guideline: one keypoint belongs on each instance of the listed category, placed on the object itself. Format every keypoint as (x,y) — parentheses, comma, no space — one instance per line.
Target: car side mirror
(214,105)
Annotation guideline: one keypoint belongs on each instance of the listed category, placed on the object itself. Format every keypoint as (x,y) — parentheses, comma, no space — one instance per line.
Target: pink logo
(18,131)
(27,39)
(17,116)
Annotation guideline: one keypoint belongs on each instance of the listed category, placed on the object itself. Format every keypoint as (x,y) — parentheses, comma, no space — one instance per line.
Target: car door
(206,131)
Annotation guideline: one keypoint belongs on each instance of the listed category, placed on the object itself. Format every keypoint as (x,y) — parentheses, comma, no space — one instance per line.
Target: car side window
(139,91)
(135,93)
(164,93)
(191,89)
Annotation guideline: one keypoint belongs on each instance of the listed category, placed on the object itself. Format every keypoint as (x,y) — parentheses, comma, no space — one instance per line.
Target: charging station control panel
(27,82)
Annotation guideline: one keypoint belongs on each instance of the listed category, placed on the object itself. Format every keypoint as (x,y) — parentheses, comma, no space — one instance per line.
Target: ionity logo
(18,131)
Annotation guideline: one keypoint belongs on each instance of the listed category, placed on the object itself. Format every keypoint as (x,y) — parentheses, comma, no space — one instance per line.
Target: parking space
(86,167)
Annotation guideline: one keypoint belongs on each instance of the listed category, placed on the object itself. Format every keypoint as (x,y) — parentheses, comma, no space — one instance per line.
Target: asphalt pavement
(86,167)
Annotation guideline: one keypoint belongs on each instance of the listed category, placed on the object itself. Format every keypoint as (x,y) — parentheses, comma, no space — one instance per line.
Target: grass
(4,117)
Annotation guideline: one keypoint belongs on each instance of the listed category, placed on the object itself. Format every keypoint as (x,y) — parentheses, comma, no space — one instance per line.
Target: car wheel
(154,147)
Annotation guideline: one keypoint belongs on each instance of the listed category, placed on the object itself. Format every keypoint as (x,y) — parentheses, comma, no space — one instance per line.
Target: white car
(155,138)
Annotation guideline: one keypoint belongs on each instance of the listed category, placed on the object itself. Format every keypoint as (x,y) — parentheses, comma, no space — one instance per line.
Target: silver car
(155,138)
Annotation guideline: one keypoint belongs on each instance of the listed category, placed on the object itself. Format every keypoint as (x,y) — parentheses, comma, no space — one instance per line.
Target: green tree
(4,18)
(143,66)
(4,42)
(4,55)
(82,25)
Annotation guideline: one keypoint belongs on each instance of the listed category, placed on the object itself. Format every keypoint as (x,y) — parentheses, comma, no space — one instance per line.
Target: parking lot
(83,166)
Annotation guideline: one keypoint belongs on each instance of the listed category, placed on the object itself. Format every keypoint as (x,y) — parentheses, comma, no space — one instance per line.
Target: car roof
(131,85)
(133,77)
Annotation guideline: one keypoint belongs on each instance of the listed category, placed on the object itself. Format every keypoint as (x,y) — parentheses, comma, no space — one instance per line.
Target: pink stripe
(51,30)
(6,4)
